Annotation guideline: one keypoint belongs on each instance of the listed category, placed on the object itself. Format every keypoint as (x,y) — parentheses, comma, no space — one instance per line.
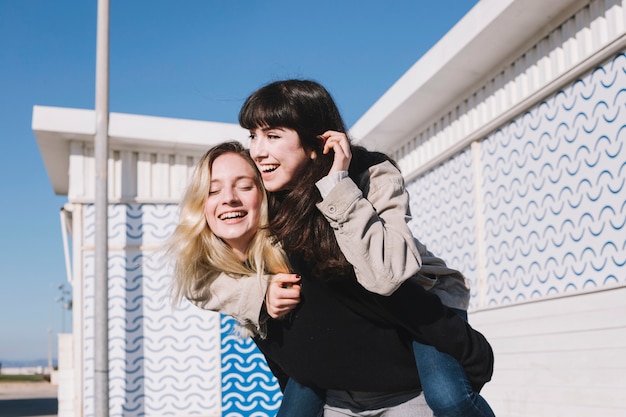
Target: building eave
(479,44)
(56,127)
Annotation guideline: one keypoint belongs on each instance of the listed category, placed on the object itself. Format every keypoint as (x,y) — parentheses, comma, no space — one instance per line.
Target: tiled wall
(165,361)
(537,208)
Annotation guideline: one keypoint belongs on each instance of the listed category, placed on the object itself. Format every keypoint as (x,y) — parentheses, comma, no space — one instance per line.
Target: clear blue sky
(192,59)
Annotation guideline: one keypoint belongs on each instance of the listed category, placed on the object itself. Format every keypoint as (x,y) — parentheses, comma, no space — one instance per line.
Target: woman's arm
(371,227)
(387,201)
(239,297)
(243,298)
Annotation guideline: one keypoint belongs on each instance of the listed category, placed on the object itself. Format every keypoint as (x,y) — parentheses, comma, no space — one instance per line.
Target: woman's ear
(313,155)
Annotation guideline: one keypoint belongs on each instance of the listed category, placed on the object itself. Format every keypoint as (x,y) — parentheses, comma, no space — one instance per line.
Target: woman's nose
(230,195)
(258,149)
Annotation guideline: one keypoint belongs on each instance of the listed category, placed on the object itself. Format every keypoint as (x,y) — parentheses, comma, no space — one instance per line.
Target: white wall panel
(561,357)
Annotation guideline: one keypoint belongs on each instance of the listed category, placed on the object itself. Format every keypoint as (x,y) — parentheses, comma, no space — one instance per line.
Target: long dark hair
(308,108)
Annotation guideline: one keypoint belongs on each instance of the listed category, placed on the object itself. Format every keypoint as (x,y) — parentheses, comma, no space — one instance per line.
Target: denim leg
(301,401)
(445,385)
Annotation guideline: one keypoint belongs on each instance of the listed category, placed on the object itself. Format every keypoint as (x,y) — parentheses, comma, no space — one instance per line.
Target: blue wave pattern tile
(554,196)
(133,224)
(248,387)
(162,361)
(555,199)
(442,206)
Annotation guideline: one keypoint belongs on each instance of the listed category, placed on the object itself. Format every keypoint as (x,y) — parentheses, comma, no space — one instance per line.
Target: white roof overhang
(56,127)
(473,50)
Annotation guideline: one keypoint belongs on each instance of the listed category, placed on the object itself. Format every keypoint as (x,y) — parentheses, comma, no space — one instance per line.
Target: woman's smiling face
(233,205)
(279,156)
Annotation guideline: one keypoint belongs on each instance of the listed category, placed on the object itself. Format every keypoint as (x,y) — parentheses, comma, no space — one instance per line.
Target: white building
(510,133)
(161,361)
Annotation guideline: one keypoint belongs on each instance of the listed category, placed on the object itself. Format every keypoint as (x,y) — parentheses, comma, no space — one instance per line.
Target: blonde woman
(225,273)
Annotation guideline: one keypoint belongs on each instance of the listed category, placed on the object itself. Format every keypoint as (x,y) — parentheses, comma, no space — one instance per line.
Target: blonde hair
(199,254)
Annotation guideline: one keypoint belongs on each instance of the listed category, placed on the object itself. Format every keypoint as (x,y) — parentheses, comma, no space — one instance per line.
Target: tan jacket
(371,227)
(239,297)
(372,232)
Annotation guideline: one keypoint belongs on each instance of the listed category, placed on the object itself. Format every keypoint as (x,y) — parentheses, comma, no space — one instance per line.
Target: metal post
(50,351)
(101,327)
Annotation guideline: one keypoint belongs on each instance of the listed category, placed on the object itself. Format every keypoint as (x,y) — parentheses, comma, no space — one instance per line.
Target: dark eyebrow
(265,129)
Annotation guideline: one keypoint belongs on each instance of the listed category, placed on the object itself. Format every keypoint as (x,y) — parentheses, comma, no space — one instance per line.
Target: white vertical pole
(101,327)
(50,351)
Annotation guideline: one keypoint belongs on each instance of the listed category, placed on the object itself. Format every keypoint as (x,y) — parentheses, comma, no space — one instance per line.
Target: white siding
(144,177)
(562,357)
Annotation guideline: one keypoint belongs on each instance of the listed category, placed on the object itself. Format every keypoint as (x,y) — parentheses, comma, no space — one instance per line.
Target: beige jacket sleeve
(239,297)
(448,284)
(371,227)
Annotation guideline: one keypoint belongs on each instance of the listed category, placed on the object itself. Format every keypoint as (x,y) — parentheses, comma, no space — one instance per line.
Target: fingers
(285,280)
(283,295)
(279,307)
(339,143)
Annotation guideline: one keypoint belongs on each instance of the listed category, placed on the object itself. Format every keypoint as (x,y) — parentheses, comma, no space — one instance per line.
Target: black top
(323,343)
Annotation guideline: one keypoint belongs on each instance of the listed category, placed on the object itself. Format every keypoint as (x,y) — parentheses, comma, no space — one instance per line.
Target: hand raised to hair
(339,143)
(283,295)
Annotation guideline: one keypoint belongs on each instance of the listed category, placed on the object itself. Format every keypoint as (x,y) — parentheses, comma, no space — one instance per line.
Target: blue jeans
(446,389)
(301,401)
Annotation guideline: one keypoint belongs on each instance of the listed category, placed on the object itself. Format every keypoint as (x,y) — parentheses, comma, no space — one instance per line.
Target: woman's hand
(283,295)
(340,144)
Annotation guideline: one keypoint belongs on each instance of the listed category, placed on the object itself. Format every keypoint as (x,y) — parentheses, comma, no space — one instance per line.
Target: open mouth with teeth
(268,168)
(232,215)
